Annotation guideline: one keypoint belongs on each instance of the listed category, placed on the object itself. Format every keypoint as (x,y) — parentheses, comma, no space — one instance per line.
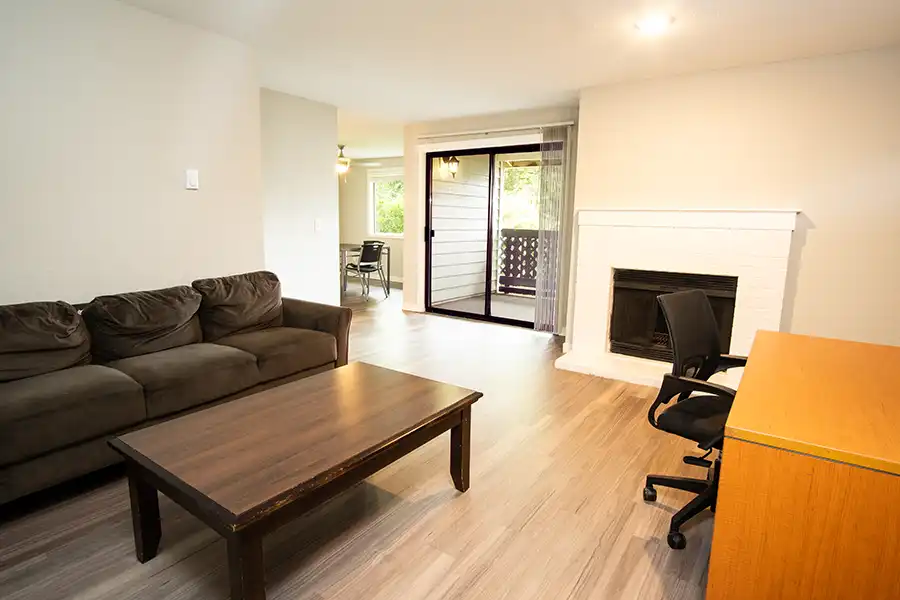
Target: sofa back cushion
(239,303)
(40,337)
(125,325)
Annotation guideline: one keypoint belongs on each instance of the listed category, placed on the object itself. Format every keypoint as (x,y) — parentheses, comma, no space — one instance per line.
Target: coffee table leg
(245,567)
(459,451)
(144,517)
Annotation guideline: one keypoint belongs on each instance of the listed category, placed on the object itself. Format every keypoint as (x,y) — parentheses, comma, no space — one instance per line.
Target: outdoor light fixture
(343,163)
(453,166)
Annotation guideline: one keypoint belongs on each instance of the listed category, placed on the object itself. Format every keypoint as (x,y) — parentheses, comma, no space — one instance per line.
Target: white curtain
(554,168)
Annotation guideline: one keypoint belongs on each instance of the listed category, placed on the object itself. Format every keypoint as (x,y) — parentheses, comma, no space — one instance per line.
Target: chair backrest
(693,333)
(371,252)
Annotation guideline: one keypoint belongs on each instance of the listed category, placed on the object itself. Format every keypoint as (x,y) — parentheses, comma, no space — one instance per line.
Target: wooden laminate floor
(554,509)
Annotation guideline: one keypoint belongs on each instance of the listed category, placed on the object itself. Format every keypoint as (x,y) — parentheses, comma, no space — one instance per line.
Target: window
(520,191)
(386,202)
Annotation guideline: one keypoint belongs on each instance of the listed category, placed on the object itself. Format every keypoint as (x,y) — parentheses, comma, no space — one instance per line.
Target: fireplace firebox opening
(637,326)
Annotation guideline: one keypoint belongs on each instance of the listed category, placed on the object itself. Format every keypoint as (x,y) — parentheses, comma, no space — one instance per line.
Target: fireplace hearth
(637,325)
(753,246)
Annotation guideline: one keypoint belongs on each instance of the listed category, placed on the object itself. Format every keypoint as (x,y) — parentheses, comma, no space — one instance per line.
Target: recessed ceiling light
(654,24)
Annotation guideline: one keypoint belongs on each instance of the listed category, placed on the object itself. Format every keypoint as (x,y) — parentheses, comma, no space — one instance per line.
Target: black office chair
(368,262)
(694,336)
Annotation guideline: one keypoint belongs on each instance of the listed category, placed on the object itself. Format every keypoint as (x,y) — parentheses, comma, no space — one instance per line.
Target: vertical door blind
(554,167)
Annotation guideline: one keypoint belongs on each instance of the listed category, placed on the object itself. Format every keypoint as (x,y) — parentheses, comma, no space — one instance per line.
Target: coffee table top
(254,453)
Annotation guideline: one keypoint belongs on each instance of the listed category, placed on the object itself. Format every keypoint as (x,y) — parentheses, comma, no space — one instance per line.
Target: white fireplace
(753,246)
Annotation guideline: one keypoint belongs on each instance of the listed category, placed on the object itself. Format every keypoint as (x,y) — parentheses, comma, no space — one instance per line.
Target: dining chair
(368,262)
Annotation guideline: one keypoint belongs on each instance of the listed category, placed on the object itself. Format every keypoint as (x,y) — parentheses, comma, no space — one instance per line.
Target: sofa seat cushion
(47,412)
(283,351)
(179,378)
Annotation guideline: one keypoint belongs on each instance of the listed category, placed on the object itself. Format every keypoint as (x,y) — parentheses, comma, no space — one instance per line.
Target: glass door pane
(518,186)
(460,205)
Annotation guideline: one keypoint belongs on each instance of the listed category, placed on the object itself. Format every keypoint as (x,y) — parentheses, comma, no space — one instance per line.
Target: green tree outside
(519,200)
(389,206)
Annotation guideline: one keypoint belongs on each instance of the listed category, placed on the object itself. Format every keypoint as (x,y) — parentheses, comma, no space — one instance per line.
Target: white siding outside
(459,209)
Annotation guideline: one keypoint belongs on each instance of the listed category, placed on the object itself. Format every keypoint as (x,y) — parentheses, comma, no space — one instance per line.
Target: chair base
(365,280)
(706,490)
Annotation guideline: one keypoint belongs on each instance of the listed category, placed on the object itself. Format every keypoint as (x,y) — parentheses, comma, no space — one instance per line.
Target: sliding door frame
(492,153)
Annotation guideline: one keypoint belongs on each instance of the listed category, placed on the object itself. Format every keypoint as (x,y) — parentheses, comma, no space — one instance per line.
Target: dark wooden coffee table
(249,466)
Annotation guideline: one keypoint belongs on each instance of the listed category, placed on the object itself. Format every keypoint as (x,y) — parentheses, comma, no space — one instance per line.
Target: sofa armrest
(321,317)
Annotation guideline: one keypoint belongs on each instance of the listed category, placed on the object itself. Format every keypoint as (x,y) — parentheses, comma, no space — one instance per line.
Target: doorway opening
(481,233)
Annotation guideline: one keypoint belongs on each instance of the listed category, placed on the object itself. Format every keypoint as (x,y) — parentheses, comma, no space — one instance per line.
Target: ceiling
(369,137)
(410,60)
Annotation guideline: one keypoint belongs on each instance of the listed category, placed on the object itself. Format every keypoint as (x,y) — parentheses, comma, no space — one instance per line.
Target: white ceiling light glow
(653,25)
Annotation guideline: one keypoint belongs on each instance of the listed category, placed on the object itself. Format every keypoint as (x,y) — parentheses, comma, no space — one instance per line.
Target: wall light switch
(319,225)
(192,179)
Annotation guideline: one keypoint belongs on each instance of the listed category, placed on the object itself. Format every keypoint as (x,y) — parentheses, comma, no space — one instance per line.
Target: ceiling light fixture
(343,163)
(653,25)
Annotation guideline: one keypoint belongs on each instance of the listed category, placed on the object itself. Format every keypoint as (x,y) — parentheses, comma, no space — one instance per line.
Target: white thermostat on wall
(192,179)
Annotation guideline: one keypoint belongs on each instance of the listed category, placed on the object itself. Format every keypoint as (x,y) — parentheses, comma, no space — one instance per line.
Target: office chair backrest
(371,252)
(693,333)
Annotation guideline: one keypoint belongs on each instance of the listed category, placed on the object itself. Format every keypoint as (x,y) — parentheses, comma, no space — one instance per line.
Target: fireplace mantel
(752,245)
(772,220)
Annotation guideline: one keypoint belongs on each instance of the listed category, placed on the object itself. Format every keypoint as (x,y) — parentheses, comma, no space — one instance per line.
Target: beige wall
(819,135)
(354,198)
(414,215)
(299,138)
(102,108)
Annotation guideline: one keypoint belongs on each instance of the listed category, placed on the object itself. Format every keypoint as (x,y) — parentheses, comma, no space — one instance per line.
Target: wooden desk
(809,496)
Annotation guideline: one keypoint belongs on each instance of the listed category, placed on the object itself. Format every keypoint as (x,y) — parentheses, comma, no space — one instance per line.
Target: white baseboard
(393,279)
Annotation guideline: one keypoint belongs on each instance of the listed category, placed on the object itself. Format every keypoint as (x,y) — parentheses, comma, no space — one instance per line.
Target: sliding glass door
(481,233)
(518,192)
(460,238)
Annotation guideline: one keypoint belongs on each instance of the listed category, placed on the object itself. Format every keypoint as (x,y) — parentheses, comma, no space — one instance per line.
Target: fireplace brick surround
(753,246)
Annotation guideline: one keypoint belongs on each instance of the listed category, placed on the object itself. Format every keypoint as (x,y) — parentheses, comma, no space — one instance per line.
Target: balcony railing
(518,261)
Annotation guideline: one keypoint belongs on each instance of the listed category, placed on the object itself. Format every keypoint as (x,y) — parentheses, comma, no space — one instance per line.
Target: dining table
(348,248)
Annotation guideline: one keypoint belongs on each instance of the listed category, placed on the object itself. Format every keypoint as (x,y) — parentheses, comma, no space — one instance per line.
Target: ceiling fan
(343,163)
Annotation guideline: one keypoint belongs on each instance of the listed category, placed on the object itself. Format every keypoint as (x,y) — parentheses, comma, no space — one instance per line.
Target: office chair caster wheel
(649,494)
(676,540)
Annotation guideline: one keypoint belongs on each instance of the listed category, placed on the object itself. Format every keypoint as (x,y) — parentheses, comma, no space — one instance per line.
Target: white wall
(414,215)
(299,145)
(102,108)
(355,221)
(819,135)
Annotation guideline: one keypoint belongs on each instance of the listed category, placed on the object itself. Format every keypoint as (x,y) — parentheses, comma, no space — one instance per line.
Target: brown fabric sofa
(69,380)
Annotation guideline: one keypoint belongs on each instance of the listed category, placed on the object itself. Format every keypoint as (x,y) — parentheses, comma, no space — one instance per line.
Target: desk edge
(853,459)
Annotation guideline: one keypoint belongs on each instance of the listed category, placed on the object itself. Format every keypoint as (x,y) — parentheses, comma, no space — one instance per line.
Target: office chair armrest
(683,386)
(730,361)
(688,384)
(716,390)
(712,443)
